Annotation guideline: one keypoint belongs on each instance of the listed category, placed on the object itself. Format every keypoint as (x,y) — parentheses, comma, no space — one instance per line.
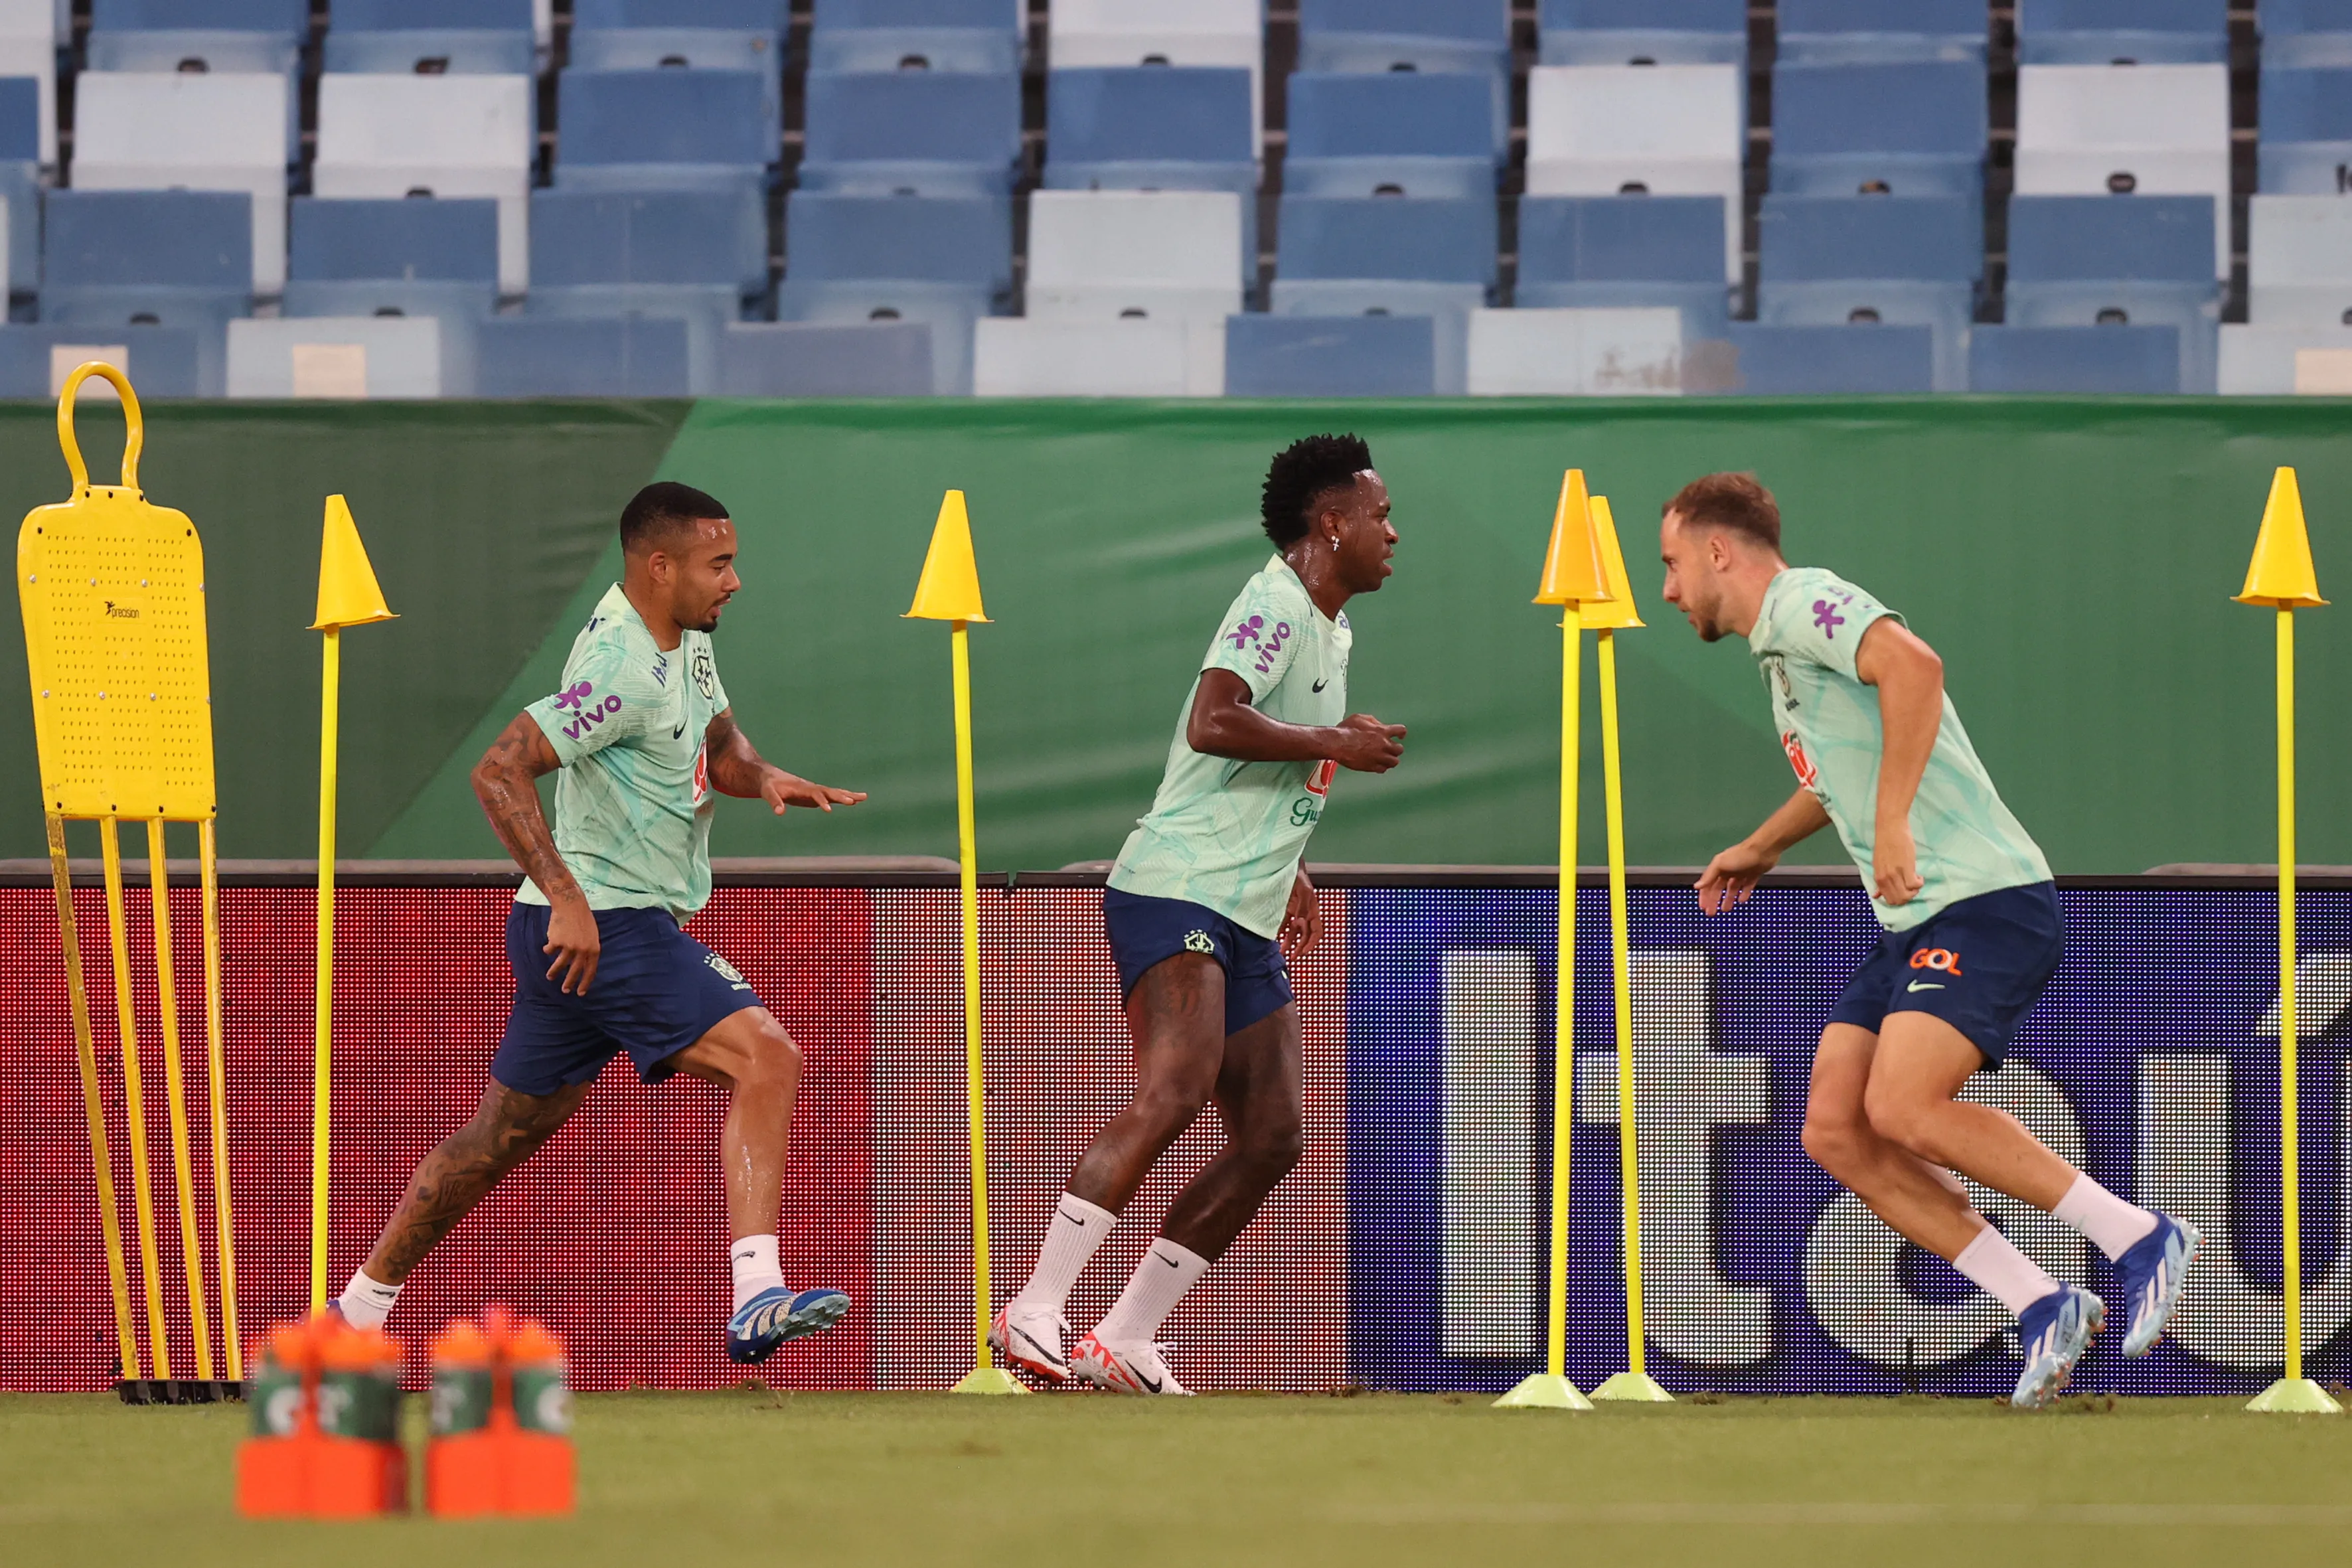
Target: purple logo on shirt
(1246,632)
(1828,619)
(575,696)
(1271,646)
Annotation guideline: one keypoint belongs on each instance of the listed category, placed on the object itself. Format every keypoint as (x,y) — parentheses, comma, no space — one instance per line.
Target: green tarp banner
(2072,560)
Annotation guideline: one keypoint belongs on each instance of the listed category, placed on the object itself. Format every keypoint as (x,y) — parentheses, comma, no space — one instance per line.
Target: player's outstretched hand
(781,790)
(1731,876)
(1302,923)
(1367,745)
(572,938)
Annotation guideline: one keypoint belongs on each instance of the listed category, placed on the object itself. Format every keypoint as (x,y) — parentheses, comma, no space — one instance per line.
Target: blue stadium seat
(172,259)
(474,37)
(934,34)
(1880,32)
(413,256)
(2100,32)
(631,356)
(668,254)
(1154,128)
(945,261)
(882,359)
(20,179)
(1386,256)
(2111,359)
(1802,362)
(220,34)
(1329,356)
(1623,251)
(2137,260)
(2307,139)
(162,361)
(916,132)
(693,35)
(1910,261)
(1915,129)
(665,131)
(1399,133)
(1639,32)
(1453,35)
(2306,33)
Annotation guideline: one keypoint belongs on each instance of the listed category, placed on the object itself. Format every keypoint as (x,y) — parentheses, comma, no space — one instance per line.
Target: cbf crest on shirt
(1805,641)
(1229,835)
(633,803)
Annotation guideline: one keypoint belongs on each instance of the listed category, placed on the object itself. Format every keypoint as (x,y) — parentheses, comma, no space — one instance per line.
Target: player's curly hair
(1302,474)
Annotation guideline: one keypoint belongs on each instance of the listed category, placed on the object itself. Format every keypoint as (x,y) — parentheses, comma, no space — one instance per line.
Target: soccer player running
(1205,903)
(1971,930)
(642,733)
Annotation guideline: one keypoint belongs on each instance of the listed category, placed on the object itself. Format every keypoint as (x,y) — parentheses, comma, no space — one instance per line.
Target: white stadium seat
(335,356)
(1671,130)
(1166,32)
(1016,358)
(2272,362)
(1579,352)
(2299,262)
(141,131)
(2158,131)
(388,135)
(29,47)
(1160,255)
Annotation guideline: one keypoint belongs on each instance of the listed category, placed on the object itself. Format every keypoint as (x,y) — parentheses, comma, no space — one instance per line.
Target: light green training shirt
(633,803)
(1805,640)
(1228,835)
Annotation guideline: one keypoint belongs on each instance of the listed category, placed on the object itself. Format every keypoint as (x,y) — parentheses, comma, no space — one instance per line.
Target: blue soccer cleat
(775,1315)
(2056,1332)
(2153,1271)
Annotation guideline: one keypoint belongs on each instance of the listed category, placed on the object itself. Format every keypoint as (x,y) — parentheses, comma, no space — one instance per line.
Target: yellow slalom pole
(217,1076)
(134,1102)
(321,1066)
(1634,1384)
(109,1220)
(175,1107)
(1550,1388)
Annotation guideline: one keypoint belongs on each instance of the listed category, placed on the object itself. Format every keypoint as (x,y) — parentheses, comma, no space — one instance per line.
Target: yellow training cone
(348,595)
(1571,571)
(1617,613)
(950,587)
(2280,573)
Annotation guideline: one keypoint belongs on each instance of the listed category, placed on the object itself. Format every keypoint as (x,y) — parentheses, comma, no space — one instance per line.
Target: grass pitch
(753,1476)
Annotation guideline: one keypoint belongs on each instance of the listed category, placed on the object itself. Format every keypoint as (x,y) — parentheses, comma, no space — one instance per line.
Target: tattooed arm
(737,769)
(505,782)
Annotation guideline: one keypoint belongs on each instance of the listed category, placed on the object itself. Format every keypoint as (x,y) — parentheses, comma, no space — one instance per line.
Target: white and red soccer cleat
(1124,1368)
(1030,1340)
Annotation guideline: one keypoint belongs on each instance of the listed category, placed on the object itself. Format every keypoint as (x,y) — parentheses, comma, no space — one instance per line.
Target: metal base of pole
(1543,1391)
(180,1390)
(989,1380)
(1633,1388)
(2296,1396)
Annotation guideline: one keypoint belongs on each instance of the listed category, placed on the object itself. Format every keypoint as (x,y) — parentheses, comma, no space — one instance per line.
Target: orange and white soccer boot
(1030,1340)
(1139,1368)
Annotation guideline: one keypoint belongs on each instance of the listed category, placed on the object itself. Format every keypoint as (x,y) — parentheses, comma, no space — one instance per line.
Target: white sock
(1071,1236)
(2111,1224)
(1997,1268)
(365,1303)
(756,1268)
(1161,1280)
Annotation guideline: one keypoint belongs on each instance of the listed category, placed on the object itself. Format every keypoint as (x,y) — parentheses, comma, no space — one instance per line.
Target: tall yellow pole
(216,1074)
(2282,578)
(975,1080)
(134,1105)
(322,1054)
(1550,1389)
(176,1091)
(110,1219)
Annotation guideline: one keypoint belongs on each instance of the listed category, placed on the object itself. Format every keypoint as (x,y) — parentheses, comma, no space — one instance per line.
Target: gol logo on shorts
(1938,958)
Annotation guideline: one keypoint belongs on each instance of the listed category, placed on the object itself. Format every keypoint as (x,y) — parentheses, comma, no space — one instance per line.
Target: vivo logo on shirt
(576,697)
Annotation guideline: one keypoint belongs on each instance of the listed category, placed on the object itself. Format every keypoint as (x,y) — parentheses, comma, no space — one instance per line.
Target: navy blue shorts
(1979,964)
(657,991)
(1145,932)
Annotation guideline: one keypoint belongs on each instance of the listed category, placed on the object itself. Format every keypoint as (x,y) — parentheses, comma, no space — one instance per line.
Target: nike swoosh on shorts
(1916,985)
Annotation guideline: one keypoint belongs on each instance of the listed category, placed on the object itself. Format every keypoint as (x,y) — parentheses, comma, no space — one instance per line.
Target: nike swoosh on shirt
(678,733)
(1322,683)
(1917,985)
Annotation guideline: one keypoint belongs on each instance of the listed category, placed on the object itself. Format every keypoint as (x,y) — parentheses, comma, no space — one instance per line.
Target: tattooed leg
(455,1176)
